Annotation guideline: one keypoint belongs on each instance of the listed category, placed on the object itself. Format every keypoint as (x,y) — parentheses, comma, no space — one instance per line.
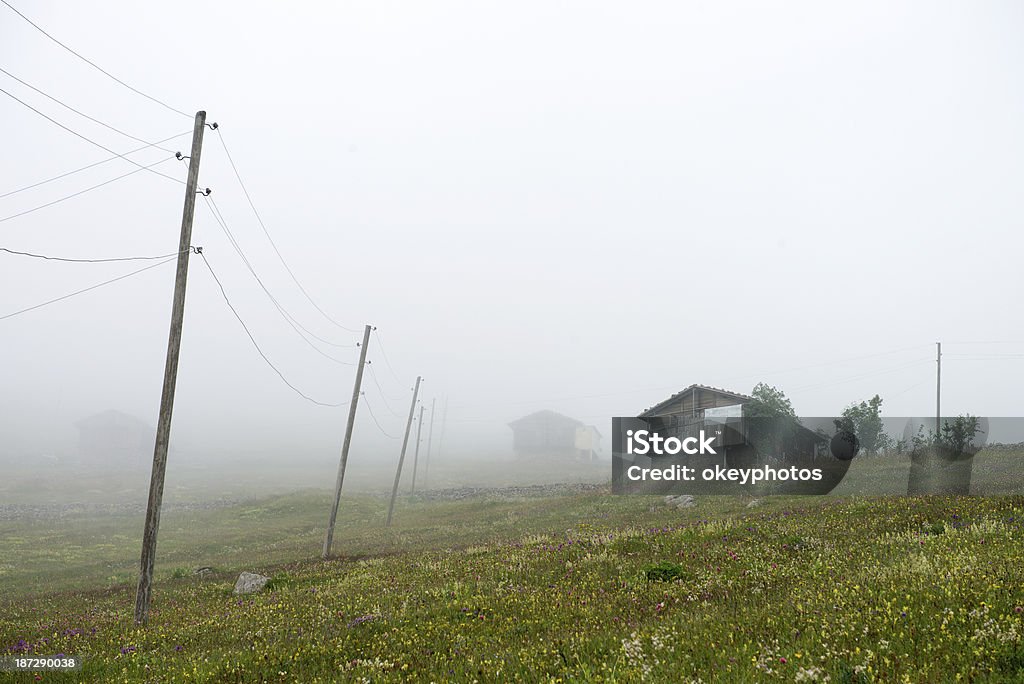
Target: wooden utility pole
(430,433)
(440,439)
(938,388)
(405,443)
(163,427)
(329,536)
(416,453)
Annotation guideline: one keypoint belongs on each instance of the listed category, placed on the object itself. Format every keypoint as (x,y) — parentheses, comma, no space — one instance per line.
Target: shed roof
(740,398)
(112,417)
(543,415)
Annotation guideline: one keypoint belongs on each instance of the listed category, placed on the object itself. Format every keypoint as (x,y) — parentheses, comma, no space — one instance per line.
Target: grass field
(570,588)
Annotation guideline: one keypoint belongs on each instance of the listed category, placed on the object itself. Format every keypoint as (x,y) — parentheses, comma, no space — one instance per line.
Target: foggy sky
(581,206)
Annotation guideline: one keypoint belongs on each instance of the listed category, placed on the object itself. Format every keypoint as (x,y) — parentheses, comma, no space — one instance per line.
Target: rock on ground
(681,501)
(249,582)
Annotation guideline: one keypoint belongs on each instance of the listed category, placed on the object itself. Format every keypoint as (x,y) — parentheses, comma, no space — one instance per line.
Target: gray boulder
(249,582)
(681,501)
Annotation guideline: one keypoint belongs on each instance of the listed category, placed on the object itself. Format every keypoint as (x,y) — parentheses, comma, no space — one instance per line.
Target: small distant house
(113,438)
(547,433)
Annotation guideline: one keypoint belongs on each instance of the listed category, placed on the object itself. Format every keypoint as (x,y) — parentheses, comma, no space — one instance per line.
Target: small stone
(249,582)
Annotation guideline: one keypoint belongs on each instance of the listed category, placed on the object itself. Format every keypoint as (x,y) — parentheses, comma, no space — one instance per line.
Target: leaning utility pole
(163,428)
(938,388)
(405,443)
(329,536)
(440,439)
(416,454)
(430,434)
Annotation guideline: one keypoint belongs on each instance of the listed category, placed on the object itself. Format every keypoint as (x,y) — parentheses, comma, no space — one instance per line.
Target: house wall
(544,436)
(115,445)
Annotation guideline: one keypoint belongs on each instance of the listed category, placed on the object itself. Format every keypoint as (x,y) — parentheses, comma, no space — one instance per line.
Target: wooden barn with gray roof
(693,401)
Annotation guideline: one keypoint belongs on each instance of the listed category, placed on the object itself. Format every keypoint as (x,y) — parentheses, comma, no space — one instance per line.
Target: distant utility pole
(440,439)
(938,388)
(163,428)
(405,443)
(329,536)
(416,454)
(430,434)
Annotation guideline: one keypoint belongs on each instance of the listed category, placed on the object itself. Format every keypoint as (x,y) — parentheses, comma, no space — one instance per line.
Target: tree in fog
(865,421)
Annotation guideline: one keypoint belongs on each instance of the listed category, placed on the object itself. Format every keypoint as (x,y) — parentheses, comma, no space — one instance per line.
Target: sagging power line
(89,166)
(373,374)
(81,113)
(259,219)
(93,64)
(384,354)
(219,216)
(148,167)
(252,339)
(291,320)
(87,261)
(84,290)
(369,410)
(85,138)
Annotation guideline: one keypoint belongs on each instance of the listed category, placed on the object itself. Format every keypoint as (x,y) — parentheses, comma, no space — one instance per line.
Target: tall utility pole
(440,439)
(405,443)
(938,388)
(329,536)
(416,453)
(430,434)
(163,427)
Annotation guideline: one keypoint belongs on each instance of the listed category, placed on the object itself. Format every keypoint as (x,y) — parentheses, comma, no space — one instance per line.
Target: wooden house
(693,401)
(699,407)
(550,434)
(115,439)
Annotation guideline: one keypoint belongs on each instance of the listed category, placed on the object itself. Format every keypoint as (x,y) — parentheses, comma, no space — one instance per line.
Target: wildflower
(360,620)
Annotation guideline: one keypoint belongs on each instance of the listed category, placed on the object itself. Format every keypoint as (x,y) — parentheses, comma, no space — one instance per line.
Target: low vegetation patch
(664,571)
(591,595)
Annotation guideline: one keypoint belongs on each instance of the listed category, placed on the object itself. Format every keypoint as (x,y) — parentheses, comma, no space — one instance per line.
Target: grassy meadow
(586,587)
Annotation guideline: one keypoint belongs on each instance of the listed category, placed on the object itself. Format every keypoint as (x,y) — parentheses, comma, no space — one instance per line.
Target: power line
(257,346)
(914,386)
(833,363)
(93,64)
(373,374)
(86,261)
(384,354)
(219,215)
(866,375)
(289,319)
(89,166)
(77,134)
(83,114)
(369,410)
(639,390)
(67,296)
(89,189)
(259,219)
